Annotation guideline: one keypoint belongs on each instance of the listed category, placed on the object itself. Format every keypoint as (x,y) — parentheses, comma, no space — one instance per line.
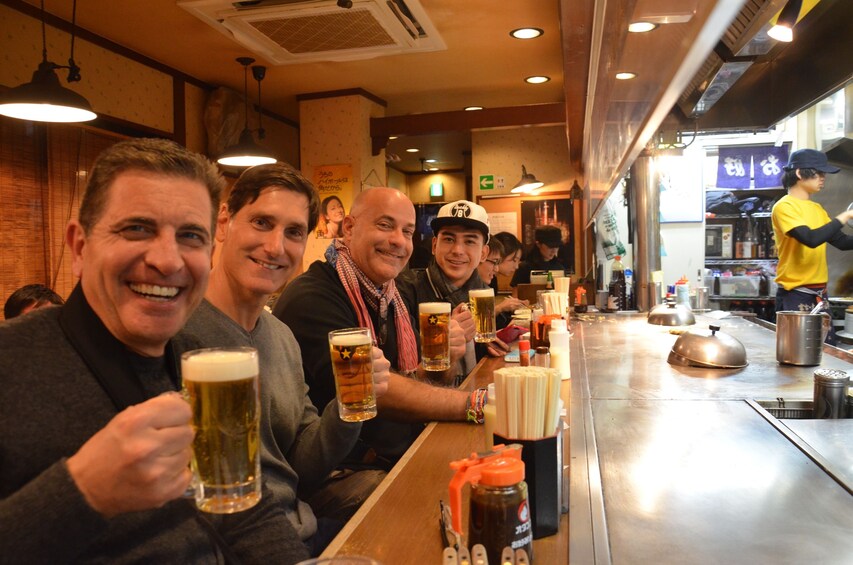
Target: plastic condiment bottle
(542,357)
(682,291)
(499,512)
(524,352)
(560,354)
(617,285)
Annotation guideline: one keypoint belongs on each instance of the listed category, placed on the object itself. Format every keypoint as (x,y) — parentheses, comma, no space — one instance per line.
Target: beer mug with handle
(223,390)
(351,350)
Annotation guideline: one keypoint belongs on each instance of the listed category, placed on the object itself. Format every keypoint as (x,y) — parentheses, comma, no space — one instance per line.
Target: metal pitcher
(800,336)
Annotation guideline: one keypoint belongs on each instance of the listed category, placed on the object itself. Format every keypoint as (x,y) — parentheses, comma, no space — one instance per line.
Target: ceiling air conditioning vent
(301,31)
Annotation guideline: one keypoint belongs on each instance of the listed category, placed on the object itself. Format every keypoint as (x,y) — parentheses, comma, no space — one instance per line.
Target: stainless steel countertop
(833,439)
(671,465)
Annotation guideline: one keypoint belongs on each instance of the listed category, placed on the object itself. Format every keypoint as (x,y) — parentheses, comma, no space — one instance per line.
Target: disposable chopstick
(552,413)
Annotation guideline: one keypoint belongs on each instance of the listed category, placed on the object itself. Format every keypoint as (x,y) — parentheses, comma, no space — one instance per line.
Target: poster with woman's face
(331,217)
(334,184)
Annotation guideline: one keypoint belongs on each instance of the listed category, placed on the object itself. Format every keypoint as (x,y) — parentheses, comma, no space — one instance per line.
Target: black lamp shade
(783,30)
(44,99)
(527,183)
(246,153)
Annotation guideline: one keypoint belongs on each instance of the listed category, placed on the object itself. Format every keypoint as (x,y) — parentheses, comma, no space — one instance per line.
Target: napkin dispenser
(543,465)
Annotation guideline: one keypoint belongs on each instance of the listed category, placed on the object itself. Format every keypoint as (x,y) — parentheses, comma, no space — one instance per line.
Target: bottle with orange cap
(499,511)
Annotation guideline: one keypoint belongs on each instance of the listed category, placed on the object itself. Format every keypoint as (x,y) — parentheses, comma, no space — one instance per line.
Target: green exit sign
(487,182)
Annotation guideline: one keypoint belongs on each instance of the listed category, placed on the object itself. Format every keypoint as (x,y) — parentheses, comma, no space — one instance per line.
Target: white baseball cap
(462,213)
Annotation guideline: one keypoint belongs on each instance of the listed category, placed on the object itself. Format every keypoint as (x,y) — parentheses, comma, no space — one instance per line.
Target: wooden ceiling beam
(576,30)
(460,120)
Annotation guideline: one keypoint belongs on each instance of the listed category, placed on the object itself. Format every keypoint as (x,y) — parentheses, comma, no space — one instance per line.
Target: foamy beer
(222,388)
(352,363)
(483,309)
(435,335)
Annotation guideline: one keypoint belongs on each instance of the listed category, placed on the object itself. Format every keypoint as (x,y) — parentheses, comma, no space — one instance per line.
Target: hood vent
(301,31)
(840,152)
(744,40)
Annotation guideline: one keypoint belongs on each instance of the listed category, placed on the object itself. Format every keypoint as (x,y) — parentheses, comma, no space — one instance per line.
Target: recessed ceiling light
(641,27)
(625,76)
(472,108)
(537,79)
(526,32)
(412,150)
(431,161)
(392,137)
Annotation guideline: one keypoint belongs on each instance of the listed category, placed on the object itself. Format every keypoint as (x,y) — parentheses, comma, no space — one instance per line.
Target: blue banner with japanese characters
(751,166)
(734,167)
(767,163)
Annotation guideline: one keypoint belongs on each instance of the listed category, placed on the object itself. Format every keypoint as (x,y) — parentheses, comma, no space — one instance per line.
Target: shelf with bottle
(744,298)
(744,190)
(762,262)
(713,216)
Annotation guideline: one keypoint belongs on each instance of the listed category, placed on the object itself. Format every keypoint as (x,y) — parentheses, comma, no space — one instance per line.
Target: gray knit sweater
(299,448)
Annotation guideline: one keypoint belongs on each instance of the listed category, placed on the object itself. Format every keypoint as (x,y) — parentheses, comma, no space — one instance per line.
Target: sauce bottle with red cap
(499,511)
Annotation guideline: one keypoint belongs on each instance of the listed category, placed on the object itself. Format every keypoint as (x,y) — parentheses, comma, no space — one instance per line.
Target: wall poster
(557,212)
(680,190)
(334,184)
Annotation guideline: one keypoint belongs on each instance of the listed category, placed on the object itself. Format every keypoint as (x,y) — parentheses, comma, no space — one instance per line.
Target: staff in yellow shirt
(802,229)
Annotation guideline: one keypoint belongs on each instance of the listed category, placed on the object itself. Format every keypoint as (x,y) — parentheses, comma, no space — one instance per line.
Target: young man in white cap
(802,228)
(459,245)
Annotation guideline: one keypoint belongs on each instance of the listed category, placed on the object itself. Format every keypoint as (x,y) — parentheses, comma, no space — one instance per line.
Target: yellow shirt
(798,264)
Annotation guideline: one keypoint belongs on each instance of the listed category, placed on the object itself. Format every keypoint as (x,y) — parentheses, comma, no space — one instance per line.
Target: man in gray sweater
(94,440)
(262,231)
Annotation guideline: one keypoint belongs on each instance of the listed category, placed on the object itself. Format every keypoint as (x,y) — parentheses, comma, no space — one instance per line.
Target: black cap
(810,159)
(549,235)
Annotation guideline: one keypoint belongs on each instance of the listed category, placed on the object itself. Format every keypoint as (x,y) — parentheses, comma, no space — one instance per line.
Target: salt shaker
(830,393)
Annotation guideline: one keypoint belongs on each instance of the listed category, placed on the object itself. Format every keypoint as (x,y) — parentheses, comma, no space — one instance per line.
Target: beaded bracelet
(476,401)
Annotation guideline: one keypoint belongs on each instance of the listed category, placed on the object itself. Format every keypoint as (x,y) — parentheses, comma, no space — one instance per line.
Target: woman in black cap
(542,256)
(802,228)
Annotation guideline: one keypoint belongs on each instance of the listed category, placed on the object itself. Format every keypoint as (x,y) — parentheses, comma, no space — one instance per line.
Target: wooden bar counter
(399,523)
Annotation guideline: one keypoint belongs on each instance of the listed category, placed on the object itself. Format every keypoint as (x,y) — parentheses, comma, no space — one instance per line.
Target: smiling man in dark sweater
(94,440)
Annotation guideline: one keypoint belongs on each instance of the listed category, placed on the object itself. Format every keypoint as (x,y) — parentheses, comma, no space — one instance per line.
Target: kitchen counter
(669,464)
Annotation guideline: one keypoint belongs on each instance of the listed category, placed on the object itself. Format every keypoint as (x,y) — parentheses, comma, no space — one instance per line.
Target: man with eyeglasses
(802,228)
(488,268)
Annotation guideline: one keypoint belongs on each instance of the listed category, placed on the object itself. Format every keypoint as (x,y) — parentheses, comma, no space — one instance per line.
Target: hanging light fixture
(44,99)
(247,153)
(527,183)
(784,28)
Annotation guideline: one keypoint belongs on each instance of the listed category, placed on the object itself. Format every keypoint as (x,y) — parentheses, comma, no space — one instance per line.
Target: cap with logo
(810,159)
(462,213)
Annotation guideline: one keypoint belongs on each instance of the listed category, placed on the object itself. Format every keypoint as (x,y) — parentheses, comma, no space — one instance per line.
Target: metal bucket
(799,337)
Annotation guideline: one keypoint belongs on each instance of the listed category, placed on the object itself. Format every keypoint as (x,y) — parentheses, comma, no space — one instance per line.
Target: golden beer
(435,335)
(352,363)
(482,302)
(223,390)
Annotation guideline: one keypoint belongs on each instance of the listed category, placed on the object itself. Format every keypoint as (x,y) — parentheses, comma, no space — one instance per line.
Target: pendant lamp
(247,153)
(784,28)
(44,99)
(528,182)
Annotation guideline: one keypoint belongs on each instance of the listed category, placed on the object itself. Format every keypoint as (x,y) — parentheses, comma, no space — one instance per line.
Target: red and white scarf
(362,291)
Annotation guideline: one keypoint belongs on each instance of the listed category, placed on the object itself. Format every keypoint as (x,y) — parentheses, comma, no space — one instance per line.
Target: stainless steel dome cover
(707,348)
(671,314)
